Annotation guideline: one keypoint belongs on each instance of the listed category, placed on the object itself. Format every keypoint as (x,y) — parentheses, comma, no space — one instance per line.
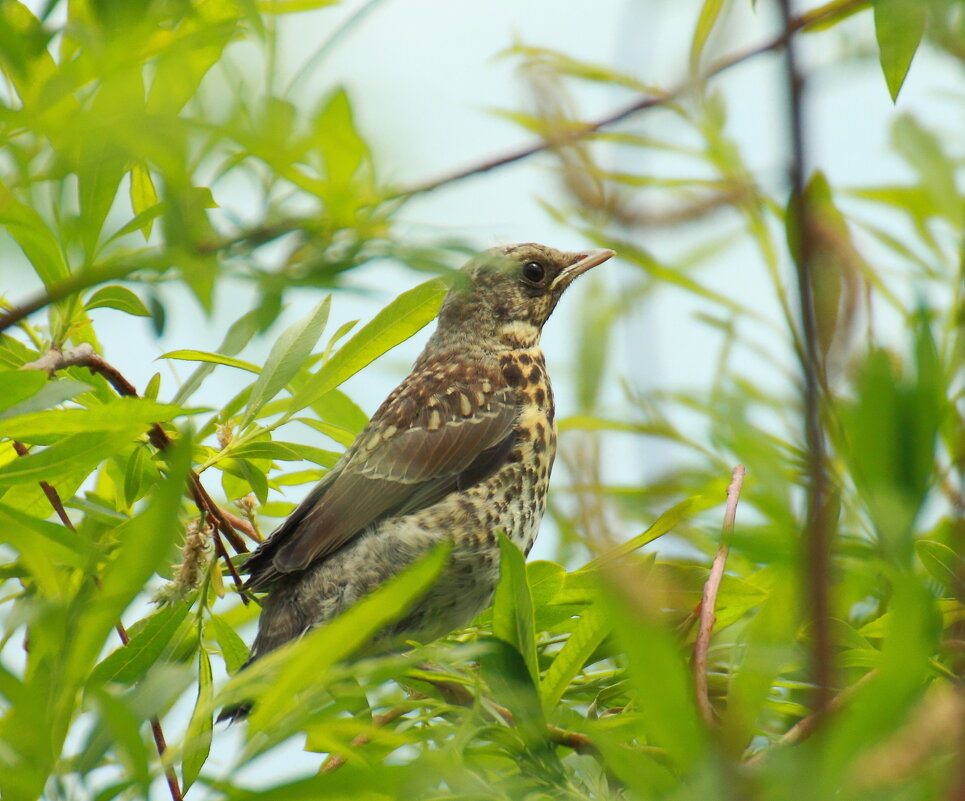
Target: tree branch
(575,134)
(818,524)
(84,356)
(709,598)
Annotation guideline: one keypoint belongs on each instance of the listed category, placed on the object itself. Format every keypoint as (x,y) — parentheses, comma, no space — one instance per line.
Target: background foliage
(837,652)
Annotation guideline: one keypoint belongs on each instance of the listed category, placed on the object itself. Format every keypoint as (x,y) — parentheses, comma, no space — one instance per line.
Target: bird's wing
(431,436)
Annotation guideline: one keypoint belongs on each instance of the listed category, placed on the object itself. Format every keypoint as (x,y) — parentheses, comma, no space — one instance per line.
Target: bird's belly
(512,500)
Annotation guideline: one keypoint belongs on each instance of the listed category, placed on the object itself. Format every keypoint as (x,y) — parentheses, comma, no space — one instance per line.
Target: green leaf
(233,648)
(35,239)
(18,385)
(124,728)
(308,660)
(211,358)
(899,27)
(287,357)
(666,522)
(119,414)
(709,13)
(197,741)
(584,640)
(403,317)
(513,619)
(143,195)
(265,450)
(335,136)
(117,297)
(130,662)
(944,564)
(51,392)
(81,452)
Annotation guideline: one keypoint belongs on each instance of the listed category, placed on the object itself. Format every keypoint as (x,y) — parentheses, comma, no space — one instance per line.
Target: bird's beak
(582,262)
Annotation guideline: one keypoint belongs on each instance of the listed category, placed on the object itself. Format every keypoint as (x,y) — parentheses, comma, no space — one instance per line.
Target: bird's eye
(533,272)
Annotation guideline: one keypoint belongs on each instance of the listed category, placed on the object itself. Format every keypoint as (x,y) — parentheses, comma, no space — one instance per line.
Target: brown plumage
(461,449)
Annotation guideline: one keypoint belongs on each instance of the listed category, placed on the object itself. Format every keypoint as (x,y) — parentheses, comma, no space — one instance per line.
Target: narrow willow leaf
(265,450)
(120,414)
(674,515)
(143,195)
(585,639)
(197,741)
(130,662)
(50,394)
(403,317)
(124,728)
(287,357)
(117,297)
(899,27)
(513,620)
(944,564)
(709,13)
(211,358)
(18,385)
(35,239)
(233,648)
(77,452)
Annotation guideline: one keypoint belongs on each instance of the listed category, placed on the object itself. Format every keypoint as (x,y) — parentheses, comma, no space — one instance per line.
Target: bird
(463,448)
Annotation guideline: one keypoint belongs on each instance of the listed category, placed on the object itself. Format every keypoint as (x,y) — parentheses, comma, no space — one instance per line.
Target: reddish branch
(818,529)
(84,356)
(54,497)
(709,598)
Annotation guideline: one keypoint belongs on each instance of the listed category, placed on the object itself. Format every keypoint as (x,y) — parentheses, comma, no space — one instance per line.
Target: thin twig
(818,526)
(335,761)
(84,356)
(709,598)
(54,497)
(792,26)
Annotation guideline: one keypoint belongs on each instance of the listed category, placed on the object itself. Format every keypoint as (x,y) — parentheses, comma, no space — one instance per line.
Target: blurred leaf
(18,385)
(120,414)
(130,662)
(709,13)
(75,452)
(899,27)
(513,620)
(125,736)
(117,297)
(891,431)
(941,562)
(336,138)
(287,356)
(144,197)
(926,155)
(197,741)
(403,317)
(666,522)
(35,239)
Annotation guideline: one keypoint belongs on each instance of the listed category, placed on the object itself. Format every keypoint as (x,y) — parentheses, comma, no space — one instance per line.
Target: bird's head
(508,293)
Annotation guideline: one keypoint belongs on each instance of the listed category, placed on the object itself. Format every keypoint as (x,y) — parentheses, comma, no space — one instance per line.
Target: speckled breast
(522,483)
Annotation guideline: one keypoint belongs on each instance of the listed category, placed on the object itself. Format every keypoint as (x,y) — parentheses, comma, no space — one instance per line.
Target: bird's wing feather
(426,439)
